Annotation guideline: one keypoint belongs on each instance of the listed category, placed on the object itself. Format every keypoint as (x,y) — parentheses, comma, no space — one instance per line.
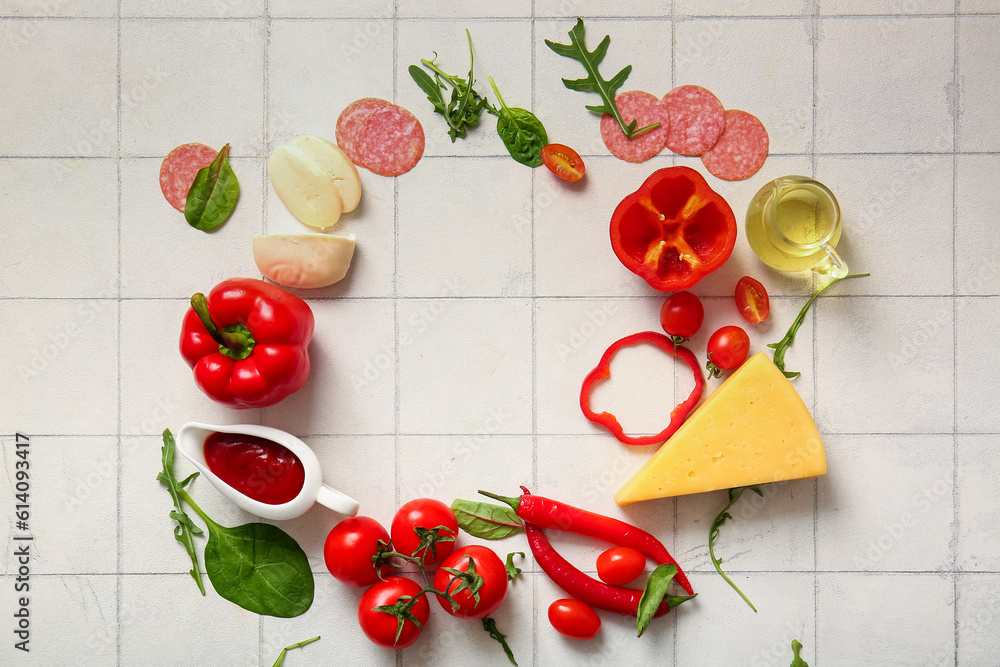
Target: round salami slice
(392,141)
(644,108)
(178,169)
(696,119)
(351,125)
(740,150)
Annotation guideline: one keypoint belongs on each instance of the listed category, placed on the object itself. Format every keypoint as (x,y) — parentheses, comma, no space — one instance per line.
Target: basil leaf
(654,594)
(259,567)
(213,195)
(486,521)
(797,661)
(521,131)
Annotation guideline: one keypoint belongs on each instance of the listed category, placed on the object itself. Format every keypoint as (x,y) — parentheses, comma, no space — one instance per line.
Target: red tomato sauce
(256,467)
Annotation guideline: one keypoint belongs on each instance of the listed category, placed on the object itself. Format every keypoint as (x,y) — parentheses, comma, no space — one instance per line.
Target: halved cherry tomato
(574,619)
(494,587)
(751,299)
(727,349)
(563,161)
(620,565)
(349,549)
(681,315)
(380,626)
(423,513)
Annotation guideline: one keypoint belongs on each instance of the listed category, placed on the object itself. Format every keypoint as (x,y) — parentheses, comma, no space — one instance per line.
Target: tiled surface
(481,293)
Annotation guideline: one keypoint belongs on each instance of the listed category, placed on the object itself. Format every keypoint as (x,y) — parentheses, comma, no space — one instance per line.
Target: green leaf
(465,105)
(491,627)
(259,567)
(654,594)
(281,656)
(213,195)
(513,571)
(429,86)
(485,520)
(577,50)
(713,532)
(521,131)
(185,528)
(782,345)
(797,661)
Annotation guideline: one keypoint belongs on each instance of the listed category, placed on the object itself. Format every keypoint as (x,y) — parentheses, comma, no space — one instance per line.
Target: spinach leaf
(185,527)
(486,521)
(521,131)
(213,195)
(577,50)
(462,111)
(713,532)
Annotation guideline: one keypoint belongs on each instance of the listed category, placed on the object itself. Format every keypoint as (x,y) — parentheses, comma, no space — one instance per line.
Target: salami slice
(351,125)
(741,150)
(696,119)
(178,169)
(392,141)
(646,109)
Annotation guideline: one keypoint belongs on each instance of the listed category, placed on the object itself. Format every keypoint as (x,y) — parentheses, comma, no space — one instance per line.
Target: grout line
(954,304)
(814,24)
(119,581)
(503,19)
(673,162)
(516,297)
(534,349)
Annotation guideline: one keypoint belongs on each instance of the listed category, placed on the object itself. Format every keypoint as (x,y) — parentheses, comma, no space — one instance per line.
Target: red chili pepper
(674,230)
(547,513)
(603,371)
(579,584)
(247,342)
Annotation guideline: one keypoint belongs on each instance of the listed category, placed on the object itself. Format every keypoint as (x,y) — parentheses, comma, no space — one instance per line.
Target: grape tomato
(574,619)
(564,162)
(681,315)
(620,565)
(752,301)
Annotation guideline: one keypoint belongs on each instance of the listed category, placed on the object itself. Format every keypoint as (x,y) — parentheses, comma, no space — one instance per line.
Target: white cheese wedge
(304,260)
(306,189)
(335,164)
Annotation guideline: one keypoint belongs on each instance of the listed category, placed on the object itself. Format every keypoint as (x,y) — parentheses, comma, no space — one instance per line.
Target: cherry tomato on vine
(727,349)
(381,627)
(423,513)
(563,161)
(681,315)
(620,565)
(349,549)
(751,299)
(494,588)
(574,619)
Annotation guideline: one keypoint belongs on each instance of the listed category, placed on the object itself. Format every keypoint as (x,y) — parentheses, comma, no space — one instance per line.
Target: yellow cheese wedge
(753,429)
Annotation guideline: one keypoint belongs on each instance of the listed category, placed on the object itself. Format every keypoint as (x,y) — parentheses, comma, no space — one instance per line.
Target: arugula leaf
(491,627)
(257,566)
(797,661)
(485,520)
(462,111)
(654,594)
(577,50)
(782,345)
(713,532)
(521,131)
(213,195)
(281,656)
(513,571)
(185,527)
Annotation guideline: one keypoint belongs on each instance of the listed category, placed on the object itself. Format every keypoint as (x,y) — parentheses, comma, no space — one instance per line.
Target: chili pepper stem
(234,341)
(513,502)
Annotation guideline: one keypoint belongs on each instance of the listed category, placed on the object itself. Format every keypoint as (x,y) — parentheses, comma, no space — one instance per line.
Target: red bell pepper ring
(544,512)
(674,230)
(603,371)
(247,342)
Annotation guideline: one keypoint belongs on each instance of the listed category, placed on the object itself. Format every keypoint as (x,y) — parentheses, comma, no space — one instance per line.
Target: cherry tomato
(751,299)
(574,619)
(381,627)
(620,565)
(728,347)
(563,161)
(494,588)
(349,549)
(682,314)
(423,513)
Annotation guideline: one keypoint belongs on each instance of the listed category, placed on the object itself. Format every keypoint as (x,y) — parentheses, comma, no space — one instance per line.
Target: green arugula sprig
(713,532)
(185,527)
(462,111)
(577,50)
(281,656)
(797,661)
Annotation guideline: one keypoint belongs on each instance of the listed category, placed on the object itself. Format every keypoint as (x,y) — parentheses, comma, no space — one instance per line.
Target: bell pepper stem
(234,341)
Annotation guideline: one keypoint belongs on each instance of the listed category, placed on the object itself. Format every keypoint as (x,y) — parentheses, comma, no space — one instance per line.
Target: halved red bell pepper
(603,371)
(247,342)
(674,230)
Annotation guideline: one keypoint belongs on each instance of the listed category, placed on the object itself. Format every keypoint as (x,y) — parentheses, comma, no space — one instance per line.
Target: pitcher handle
(337,501)
(833,265)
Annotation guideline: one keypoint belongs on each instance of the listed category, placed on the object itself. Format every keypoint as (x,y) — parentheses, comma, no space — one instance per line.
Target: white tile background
(481,293)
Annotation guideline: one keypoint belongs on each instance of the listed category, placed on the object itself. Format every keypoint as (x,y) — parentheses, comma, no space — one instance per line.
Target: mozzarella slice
(304,260)
(335,163)
(306,189)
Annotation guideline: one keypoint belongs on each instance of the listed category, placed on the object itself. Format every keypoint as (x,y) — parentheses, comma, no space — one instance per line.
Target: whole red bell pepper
(674,230)
(247,342)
